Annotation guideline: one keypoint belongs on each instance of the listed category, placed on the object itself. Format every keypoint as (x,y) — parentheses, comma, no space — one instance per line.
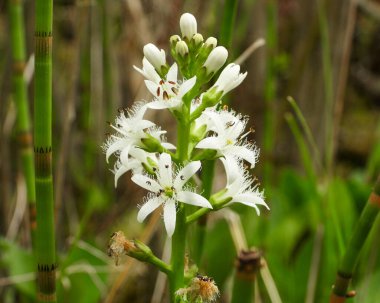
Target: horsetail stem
(45,235)
(24,135)
(350,258)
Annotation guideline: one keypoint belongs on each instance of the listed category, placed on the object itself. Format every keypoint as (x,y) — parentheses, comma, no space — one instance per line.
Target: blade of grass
(306,128)
(302,146)
(270,89)
(328,84)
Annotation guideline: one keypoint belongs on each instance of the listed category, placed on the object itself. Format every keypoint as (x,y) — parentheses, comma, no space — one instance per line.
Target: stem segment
(350,258)
(179,238)
(45,234)
(21,99)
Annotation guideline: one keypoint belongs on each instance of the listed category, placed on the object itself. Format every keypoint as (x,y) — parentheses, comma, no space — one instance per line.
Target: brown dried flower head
(119,246)
(202,289)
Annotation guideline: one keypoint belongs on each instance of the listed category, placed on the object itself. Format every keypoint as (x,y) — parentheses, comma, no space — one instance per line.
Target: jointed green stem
(350,258)
(21,100)
(45,234)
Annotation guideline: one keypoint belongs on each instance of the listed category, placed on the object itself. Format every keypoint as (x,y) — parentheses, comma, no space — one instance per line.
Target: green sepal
(206,154)
(152,144)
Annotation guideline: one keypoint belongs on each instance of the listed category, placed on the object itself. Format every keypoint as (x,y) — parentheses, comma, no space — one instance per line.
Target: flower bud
(229,78)
(188,25)
(174,39)
(211,41)
(216,59)
(155,56)
(198,39)
(181,48)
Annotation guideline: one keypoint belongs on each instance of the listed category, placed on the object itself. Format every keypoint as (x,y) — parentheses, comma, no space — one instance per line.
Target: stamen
(158,91)
(171,82)
(165,95)
(162,82)
(175,90)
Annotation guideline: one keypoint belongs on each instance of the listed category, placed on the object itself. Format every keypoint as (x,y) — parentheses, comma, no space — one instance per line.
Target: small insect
(230,124)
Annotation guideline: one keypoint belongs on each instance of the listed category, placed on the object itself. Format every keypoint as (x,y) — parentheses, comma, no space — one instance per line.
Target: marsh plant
(191,89)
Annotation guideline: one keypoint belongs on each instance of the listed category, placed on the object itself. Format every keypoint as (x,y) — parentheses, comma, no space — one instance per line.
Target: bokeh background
(324,54)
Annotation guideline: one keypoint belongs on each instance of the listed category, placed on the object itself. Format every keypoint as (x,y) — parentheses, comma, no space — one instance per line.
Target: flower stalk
(45,233)
(350,258)
(204,131)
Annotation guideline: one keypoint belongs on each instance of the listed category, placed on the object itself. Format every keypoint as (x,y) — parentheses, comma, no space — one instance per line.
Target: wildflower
(155,56)
(240,188)
(229,78)
(201,289)
(168,92)
(216,59)
(229,141)
(188,25)
(167,190)
(130,131)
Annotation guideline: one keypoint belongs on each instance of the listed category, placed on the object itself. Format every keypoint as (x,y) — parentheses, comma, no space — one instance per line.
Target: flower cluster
(207,130)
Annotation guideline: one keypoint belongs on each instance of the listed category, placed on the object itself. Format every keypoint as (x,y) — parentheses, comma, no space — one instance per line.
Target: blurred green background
(320,154)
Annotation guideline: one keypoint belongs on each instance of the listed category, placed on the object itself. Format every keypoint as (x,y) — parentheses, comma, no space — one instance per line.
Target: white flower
(155,56)
(168,92)
(138,158)
(167,190)
(188,25)
(130,131)
(240,188)
(228,142)
(216,59)
(229,78)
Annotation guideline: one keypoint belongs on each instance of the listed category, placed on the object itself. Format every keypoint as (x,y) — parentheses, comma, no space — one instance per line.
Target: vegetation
(311,93)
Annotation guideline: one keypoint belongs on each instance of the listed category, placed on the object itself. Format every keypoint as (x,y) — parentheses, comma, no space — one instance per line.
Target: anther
(158,91)
(165,95)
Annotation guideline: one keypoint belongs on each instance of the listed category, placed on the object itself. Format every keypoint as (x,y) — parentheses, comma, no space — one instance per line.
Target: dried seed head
(201,289)
(119,246)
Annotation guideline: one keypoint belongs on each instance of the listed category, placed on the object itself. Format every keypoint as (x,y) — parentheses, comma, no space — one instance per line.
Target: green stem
(350,258)
(208,169)
(17,29)
(229,14)
(270,89)
(176,278)
(45,234)
(247,266)
(328,85)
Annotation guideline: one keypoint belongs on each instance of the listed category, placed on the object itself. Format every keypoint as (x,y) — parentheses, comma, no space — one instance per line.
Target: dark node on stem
(44,42)
(32,216)
(43,161)
(46,282)
(248,263)
(18,67)
(374,199)
(25,139)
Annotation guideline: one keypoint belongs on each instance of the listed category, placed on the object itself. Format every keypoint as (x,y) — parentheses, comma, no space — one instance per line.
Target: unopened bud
(181,48)
(188,25)
(155,56)
(216,59)
(198,39)
(174,39)
(211,41)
